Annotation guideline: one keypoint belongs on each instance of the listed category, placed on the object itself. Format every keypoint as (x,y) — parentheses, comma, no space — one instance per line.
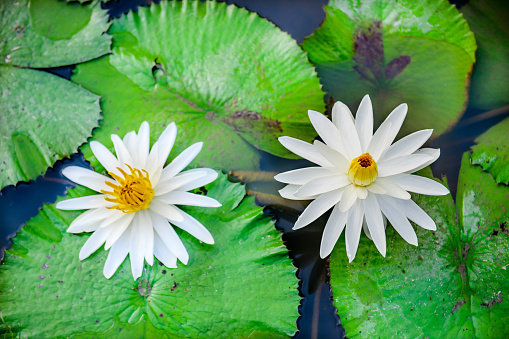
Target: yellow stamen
(133,193)
(363,170)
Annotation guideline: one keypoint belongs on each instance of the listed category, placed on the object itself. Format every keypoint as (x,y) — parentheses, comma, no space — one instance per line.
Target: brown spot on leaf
(396,66)
(493,301)
(174,287)
(458,304)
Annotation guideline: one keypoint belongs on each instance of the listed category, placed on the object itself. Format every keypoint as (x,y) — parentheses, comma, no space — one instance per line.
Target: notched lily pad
(242,286)
(192,63)
(413,52)
(454,284)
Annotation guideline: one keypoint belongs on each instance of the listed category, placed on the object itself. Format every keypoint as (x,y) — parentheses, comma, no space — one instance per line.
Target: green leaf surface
(30,35)
(489,88)
(242,286)
(193,63)
(43,118)
(492,151)
(418,52)
(453,285)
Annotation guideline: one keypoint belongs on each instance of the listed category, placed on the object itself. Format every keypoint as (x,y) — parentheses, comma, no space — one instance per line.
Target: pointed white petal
(166,142)
(392,189)
(353,229)
(376,188)
(339,109)
(364,122)
(131,143)
(117,254)
(288,192)
(375,222)
(89,217)
(163,254)
(147,237)
(105,157)
(189,199)
(402,164)
(366,229)
(136,246)
(349,135)
(152,164)
(203,176)
(318,207)
(111,219)
(304,150)
(178,181)
(181,161)
(124,157)
(348,199)
(143,144)
(121,227)
(336,158)
(379,141)
(303,175)
(170,238)
(195,228)
(406,145)
(84,203)
(322,185)
(87,178)
(432,152)
(417,184)
(416,214)
(169,212)
(361,192)
(397,219)
(95,241)
(333,229)
(326,130)
(396,118)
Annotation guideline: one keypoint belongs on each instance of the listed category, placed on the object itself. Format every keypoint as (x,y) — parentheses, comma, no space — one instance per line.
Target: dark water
(319,318)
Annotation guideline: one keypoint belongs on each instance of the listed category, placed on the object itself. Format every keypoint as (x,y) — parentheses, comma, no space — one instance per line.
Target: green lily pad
(416,52)
(31,37)
(193,63)
(489,88)
(242,286)
(492,151)
(453,285)
(43,118)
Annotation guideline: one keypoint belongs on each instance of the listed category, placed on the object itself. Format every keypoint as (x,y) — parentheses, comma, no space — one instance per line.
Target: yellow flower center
(363,170)
(133,193)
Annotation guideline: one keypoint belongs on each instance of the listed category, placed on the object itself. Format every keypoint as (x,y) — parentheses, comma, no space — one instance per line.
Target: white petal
(379,141)
(366,229)
(169,212)
(318,207)
(361,192)
(375,222)
(136,245)
(166,142)
(353,229)
(121,227)
(147,237)
(416,214)
(326,130)
(396,118)
(364,122)
(432,152)
(288,192)
(163,254)
(95,241)
(392,189)
(189,199)
(131,143)
(303,175)
(374,187)
(113,218)
(417,184)
(339,109)
(195,228)
(402,164)
(170,238)
(124,157)
(152,164)
(181,161)
(143,144)
(398,219)
(336,158)
(87,178)
(84,203)
(349,135)
(304,150)
(105,157)
(333,229)
(89,217)
(207,175)
(117,254)
(322,185)
(178,181)
(348,199)
(406,145)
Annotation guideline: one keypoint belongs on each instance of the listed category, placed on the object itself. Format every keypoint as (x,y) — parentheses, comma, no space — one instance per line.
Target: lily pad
(453,285)
(192,63)
(43,118)
(242,286)
(420,53)
(492,151)
(31,37)
(489,88)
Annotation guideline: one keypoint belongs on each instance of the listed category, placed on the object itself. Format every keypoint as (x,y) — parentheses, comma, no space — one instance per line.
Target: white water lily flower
(362,176)
(136,208)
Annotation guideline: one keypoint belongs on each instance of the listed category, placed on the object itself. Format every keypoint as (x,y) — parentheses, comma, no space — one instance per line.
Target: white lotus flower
(362,176)
(134,211)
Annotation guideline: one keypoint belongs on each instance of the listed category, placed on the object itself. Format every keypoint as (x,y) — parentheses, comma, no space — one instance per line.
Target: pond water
(319,318)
